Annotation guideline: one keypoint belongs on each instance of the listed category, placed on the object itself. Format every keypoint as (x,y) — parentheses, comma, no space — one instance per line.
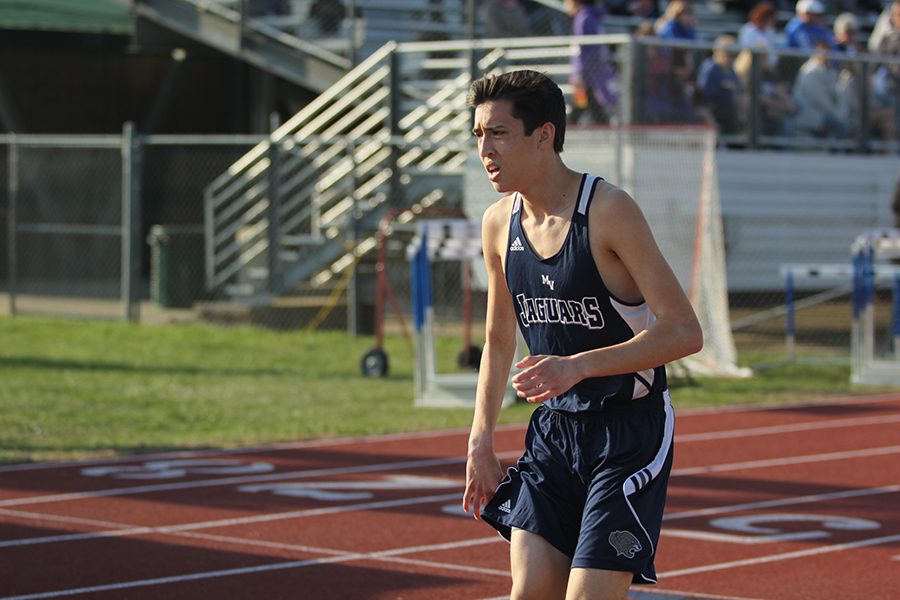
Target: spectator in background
(665,98)
(776,105)
(882,27)
(889,95)
(719,86)
(815,93)
(677,22)
(505,18)
(807,28)
(595,88)
(759,31)
(846,30)
(846,27)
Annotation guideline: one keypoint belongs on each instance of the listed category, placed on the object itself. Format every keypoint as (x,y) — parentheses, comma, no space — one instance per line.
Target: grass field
(75,389)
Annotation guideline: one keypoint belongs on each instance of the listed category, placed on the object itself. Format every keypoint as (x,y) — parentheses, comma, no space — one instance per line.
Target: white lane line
(75,537)
(320,443)
(781,557)
(184,485)
(253,519)
(449,497)
(638,595)
(388,555)
(792,428)
(67,519)
(786,406)
(392,555)
(123,530)
(817,498)
(414,435)
(789,460)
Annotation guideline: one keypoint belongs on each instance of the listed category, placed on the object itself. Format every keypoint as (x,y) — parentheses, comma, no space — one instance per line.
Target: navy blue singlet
(563,308)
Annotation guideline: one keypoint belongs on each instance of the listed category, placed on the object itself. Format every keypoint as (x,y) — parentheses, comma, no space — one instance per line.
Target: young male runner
(572,259)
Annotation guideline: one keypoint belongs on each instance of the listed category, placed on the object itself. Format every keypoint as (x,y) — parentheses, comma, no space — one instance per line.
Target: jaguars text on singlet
(563,307)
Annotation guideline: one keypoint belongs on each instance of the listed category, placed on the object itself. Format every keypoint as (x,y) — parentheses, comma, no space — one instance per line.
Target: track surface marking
(770,503)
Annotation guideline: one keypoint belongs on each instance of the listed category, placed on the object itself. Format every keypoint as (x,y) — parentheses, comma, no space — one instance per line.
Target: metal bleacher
(387,139)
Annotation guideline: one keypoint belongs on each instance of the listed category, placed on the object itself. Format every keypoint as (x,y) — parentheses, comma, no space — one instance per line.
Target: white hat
(845,22)
(810,6)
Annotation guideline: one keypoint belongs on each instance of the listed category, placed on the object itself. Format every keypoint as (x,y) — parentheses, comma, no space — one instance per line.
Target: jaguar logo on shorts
(625,543)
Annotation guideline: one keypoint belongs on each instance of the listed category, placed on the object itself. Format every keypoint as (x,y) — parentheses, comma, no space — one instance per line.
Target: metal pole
(856,304)
(13,193)
(633,72)
(754,122)
(242,22)
(789,313)
(274,213)
(355,40)
(862,91)
(869,303)
(130,222)
(353,283)
(896,316)
(471,19)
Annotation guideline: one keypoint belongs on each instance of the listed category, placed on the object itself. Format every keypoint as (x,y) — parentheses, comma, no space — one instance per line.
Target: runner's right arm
(483,471)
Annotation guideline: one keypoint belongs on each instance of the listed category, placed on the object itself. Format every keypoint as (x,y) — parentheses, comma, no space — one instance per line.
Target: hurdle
(810,271)
(440,240)
(869,251)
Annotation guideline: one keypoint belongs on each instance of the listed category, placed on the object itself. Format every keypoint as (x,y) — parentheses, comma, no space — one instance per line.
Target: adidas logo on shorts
(506,507)
(516,246)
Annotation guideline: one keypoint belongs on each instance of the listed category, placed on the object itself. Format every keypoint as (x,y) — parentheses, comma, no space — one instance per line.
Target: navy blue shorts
(593,484)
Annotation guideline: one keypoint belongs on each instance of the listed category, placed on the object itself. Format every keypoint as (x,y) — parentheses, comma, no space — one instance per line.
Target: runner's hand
(542,377)
(483,475)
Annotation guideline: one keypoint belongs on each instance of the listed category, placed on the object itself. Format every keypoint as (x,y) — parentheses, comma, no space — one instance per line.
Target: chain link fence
(63,238)
(106,226)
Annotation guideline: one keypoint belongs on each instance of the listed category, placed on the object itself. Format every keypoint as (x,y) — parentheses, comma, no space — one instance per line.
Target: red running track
(799,501)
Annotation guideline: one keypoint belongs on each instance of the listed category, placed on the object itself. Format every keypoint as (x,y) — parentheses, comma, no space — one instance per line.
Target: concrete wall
(792,207)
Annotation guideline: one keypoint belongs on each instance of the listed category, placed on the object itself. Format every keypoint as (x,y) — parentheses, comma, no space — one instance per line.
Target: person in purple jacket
(595,86)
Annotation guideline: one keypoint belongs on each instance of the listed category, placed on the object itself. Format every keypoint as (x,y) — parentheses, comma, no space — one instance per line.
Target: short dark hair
(536,100)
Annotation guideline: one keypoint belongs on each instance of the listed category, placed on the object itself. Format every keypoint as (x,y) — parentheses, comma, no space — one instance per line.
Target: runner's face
(504,149)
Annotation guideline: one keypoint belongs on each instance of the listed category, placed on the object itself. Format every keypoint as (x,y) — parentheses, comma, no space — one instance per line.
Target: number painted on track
(763,528)
(348,491)
(173,469)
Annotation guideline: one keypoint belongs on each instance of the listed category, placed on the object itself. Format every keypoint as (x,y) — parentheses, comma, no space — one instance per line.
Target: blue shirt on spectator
(721,89)
(673,30)
(805,35)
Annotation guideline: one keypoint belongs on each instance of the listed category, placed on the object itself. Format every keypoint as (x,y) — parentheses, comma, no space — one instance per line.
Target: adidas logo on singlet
(516,246)
(505,507)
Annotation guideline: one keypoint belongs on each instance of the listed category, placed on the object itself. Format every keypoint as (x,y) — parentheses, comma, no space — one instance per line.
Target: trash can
(177,277)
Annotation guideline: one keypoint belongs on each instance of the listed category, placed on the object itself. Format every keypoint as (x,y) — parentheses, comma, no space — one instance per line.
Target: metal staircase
(390,136)
(303,205)
(294,46)
(223,26)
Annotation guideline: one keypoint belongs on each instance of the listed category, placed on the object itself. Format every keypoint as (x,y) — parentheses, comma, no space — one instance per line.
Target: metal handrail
(361,126)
